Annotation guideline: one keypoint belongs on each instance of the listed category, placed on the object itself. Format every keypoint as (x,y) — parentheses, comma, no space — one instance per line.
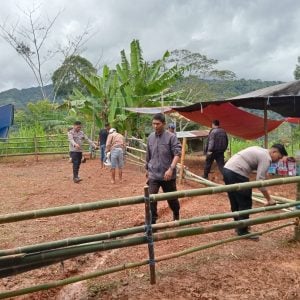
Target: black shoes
(251,237)
(77,180)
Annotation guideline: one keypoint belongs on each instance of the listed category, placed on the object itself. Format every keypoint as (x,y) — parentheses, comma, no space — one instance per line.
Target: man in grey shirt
(76,138)
(238,169)
(163,153)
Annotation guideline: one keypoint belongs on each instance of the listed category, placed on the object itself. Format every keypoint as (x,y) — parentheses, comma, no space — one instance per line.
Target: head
(158,122)
(107,126)
(171,127)
(77,126)
(277,151)
(112,130)
(215,123)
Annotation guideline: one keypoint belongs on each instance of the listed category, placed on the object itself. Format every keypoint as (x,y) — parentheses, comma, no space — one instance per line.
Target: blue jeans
(102,152)
(117,158)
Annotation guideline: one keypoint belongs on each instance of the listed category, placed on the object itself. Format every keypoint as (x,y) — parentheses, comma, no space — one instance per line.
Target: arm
(176,151)
(98,141)
(268,197)
(72,142)
(210,142)
(261,175)
(108,143)
(92,144)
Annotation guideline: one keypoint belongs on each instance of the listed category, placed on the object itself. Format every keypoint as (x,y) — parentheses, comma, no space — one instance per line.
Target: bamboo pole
(297,227)
(136,149)
(139,229)
(148,229)
(35,148)
(49,257)
(266,122)
(199,179)
(125,266)
(61,210)
(182,160)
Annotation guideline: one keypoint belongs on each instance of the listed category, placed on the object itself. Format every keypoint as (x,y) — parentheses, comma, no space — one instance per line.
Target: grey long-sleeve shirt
(250,159)
(161,149)
(78,137)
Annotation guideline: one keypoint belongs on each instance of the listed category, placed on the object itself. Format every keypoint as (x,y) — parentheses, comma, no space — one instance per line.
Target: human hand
(77,146)
(209,153)
(271,202)
(168,175)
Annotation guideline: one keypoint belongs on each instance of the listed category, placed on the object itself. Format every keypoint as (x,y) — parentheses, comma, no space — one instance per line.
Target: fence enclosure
(22,259)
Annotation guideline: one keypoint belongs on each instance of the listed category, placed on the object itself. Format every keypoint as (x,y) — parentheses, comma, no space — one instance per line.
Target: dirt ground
(267,269)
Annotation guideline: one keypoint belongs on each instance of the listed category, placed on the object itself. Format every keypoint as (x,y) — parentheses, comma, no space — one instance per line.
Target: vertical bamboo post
(182,160)
(35,148)
(148,229)
(266,123)
(297,227)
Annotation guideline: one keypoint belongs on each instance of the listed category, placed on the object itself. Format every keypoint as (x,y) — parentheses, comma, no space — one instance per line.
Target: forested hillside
(202,89)
(20,98)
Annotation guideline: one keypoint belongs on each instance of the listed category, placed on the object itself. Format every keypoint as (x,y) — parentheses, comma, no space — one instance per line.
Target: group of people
(164,152)
(111,144)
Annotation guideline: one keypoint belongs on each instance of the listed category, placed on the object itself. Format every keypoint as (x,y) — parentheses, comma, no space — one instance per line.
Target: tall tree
(65,79)
(196,64)
(30,39)
(297,70)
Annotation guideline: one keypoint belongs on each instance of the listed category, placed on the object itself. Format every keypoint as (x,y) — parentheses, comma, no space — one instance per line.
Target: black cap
(281,149)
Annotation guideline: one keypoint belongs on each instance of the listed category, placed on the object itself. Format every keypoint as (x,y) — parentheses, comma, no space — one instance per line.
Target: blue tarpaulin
(6,119)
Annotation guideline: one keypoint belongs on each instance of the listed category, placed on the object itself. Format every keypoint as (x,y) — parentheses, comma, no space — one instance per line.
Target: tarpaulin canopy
(234,120)
(6,119)
(293,120)
(149,110)
(281,98)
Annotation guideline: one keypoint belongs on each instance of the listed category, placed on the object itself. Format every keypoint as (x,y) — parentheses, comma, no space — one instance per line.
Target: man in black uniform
(102,138)
(217,143)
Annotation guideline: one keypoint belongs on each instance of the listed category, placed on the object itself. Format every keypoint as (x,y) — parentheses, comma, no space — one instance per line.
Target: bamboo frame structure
(76,208)
(14,264)
(18,260)
(148,229)
(131,265)
(139,229)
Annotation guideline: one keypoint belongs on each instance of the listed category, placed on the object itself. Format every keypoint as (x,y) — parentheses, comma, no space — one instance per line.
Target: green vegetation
(180,77)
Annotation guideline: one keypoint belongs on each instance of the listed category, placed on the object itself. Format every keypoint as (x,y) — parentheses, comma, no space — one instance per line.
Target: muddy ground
(267,269)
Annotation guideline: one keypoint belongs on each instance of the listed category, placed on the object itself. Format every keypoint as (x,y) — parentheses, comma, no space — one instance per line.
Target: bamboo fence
(22,259)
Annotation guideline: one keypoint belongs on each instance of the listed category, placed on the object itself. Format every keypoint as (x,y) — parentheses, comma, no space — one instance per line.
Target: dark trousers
(218,157)
(76,160)
(167,186)
(239,200)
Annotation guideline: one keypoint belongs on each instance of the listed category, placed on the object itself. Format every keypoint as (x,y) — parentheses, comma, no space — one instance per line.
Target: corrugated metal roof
(192,134)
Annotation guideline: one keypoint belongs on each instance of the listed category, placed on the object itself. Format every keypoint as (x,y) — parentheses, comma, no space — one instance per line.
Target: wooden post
(266,123)
(297,227)
(35,148)
(182,160)
(148,229)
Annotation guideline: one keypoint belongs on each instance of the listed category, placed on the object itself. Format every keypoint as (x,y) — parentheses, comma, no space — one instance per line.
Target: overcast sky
(256,39)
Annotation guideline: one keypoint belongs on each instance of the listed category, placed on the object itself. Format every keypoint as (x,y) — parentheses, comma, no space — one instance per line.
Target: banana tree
(104,102)
(144,84)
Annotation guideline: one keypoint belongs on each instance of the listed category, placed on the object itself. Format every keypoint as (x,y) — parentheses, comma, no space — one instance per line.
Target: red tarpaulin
(234,120)
(293,120)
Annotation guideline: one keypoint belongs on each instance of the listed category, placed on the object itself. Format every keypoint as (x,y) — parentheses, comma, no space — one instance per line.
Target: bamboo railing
(22,259)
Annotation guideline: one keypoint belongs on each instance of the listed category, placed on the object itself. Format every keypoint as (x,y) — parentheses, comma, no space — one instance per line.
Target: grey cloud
(255,39)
